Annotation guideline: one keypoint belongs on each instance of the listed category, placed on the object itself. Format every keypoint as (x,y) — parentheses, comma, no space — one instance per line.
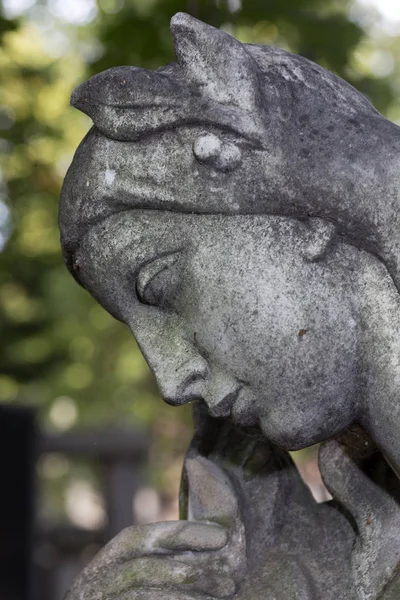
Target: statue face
(235,311)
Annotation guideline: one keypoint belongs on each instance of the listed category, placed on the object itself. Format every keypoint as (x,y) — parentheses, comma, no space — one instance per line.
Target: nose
(183,383)
(180,371)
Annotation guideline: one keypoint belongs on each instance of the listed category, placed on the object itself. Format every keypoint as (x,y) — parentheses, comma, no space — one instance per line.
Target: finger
(149,572)
(344,477)
(193,536)
(157,572)
(161,538)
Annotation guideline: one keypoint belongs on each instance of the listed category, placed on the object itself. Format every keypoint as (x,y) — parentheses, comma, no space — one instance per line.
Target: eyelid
(152,268)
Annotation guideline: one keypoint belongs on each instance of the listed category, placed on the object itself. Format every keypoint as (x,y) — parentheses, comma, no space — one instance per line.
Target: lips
(217,388)
(222,408)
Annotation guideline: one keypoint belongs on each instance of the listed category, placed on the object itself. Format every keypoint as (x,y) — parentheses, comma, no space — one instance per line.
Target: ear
(319,237)
(216,61)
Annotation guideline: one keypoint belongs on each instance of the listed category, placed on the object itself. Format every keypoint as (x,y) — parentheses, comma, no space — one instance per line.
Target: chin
(296,433)
(287,436)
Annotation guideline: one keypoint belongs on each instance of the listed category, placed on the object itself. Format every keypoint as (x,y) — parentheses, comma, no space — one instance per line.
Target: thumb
(211,493)
(212,497)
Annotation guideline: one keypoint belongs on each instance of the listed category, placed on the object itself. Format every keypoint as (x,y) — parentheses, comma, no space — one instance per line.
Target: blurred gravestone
(17,456)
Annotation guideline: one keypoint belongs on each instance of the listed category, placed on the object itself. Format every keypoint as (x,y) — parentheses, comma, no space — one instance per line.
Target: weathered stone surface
(239,211)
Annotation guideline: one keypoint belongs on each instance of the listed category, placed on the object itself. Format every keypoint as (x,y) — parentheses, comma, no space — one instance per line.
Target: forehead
(139,235)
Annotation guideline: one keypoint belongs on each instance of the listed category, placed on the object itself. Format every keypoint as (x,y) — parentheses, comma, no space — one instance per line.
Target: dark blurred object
(17,459)
(62,552)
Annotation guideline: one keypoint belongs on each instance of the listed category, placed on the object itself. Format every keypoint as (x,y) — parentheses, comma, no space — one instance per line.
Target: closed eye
(159,279)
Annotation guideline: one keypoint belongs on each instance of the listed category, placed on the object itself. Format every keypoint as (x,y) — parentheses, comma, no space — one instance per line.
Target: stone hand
(361,480)
(263,477)
(174,560)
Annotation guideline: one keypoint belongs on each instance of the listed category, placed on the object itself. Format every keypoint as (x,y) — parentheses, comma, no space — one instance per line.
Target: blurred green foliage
(59,350)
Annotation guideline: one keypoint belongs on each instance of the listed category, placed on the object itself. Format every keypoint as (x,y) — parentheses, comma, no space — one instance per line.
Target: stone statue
(239,211)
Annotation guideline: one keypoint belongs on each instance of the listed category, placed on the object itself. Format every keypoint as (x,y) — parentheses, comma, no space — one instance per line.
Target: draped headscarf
(234,128)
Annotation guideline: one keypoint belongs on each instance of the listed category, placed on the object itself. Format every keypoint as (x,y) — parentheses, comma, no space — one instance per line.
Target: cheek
(266,330)
(243,322)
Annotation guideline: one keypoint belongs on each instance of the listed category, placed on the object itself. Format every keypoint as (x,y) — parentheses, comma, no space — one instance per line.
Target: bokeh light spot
(63,413)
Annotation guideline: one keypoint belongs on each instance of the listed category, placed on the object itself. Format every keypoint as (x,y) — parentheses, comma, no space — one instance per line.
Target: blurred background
(86,445)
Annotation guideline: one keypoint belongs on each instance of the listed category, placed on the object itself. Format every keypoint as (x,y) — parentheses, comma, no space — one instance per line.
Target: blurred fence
(39,562)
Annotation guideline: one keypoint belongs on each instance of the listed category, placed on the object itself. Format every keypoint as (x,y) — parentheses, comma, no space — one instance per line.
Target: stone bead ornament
(238,210)
(210,150)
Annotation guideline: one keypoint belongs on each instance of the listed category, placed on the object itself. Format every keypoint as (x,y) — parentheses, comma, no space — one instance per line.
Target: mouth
(223,408)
